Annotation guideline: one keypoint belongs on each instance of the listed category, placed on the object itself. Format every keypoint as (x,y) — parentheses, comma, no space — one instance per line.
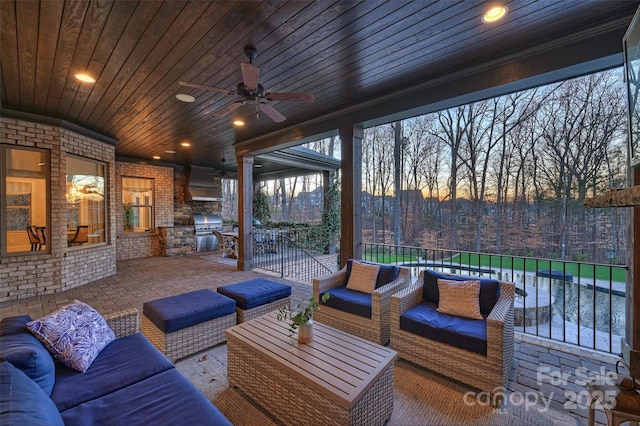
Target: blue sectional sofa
(130,382)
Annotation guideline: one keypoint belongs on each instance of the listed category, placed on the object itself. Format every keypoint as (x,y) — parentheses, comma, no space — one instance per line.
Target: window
(25,199)
(137,204)
(86,206)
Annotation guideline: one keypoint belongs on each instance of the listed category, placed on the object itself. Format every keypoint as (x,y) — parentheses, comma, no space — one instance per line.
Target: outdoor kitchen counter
(177,240)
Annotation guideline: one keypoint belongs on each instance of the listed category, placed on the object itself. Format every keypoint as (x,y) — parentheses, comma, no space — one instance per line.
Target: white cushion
(363,277)
(459,298)
(74,334)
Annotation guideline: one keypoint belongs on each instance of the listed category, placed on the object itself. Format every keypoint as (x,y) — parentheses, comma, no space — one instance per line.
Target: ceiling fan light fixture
(238,123)
(85,78)
(494,14)
(185,98)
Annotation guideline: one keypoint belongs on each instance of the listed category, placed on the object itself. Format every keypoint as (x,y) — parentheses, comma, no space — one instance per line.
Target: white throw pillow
(460,298)
(363,277)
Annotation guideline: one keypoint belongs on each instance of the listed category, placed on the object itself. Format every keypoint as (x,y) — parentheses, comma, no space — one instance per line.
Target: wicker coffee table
(336,379)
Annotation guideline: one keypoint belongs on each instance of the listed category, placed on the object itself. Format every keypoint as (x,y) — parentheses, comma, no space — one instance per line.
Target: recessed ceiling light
(170,151)
(184,97)
(41,164)
(85,78)
(156,157)
(185,144)
(494,14)
(238,123)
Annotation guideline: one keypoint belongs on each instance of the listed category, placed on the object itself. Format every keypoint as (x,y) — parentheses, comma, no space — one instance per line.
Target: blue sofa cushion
(22,401)
(352,301)
(164,399)
(15,324)
(489,289)
(253,293)
(27,353)
(184,310)
(464,333)
(386,274)
(124,361)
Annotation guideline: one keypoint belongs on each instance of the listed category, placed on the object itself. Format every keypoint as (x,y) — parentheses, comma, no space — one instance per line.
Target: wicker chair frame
(124,323)
(376,328)
(488,373)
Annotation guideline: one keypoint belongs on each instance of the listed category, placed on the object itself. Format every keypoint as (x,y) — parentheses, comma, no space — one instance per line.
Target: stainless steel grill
(205,225)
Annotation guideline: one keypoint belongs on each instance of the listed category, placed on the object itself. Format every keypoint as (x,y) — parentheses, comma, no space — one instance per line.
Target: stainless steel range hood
(202,184)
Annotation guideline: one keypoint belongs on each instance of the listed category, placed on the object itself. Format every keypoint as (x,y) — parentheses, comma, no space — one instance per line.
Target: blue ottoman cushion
(254,293)
(184,310)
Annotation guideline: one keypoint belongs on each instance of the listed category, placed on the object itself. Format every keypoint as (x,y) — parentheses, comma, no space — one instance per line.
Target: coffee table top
(338,364)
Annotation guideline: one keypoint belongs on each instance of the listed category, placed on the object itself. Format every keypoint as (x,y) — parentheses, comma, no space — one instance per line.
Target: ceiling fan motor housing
(242,90)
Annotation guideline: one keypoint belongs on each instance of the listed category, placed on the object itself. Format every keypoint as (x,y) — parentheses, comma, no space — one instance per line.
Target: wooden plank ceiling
(345,53)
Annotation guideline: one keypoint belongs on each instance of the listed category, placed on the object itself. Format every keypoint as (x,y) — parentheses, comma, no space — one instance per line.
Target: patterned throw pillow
(74,334)
(460,298)
(363,277)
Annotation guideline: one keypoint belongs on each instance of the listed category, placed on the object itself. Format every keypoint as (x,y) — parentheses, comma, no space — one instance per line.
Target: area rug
(421,398)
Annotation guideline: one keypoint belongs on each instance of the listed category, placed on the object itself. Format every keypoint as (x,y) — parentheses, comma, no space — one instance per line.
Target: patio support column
(245,212)
(351,208)
(328,179)
(631,342)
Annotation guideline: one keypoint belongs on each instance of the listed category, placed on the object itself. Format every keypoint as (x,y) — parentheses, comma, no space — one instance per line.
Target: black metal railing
(299,254)
(572,302)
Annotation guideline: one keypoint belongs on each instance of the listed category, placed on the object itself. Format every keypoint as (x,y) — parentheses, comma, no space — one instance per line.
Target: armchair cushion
(363,277)
(386,274)
(352,301)
(459,298)
(464,333)
(489,289)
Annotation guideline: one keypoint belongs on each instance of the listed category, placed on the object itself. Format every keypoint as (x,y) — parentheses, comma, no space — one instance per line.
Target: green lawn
(507,263)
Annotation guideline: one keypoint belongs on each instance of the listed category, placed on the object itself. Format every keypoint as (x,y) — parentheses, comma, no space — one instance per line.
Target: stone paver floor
(544,372)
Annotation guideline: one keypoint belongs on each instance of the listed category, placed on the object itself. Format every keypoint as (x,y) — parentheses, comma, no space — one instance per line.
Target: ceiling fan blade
(291,97)
(229,108)
(210,88)
(272,113)
(250,76)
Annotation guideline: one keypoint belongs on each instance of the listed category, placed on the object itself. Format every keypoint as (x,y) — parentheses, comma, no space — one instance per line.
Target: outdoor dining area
(398,374)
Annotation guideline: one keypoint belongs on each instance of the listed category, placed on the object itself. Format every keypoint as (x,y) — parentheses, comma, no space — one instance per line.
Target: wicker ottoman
(256,297)
(188,323)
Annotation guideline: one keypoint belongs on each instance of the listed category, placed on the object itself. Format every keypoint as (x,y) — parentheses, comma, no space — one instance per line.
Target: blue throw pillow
(489,289)
(386,274)
(28,354)
(22,402)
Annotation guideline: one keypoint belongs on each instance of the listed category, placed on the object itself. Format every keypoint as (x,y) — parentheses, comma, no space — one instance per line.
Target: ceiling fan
(250,91)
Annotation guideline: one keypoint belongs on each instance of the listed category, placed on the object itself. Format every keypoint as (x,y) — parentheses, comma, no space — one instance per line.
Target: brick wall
(62,268)
(132,245)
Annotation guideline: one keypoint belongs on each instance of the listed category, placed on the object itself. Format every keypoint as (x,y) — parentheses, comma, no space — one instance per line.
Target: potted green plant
(300,317)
